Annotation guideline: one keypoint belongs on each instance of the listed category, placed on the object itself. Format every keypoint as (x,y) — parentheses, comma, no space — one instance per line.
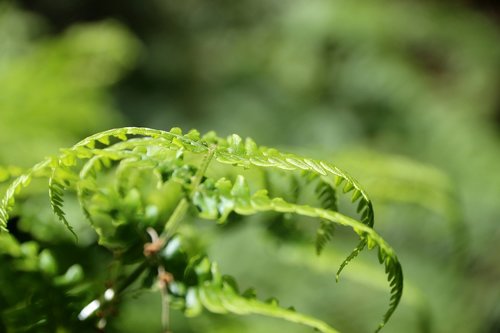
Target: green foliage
(54,89)
(135,183)
(39,285)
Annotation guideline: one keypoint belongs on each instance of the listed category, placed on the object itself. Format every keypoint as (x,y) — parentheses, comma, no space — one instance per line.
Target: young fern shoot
(131,182)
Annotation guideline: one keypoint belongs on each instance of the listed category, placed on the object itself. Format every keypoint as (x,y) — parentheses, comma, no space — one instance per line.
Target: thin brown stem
(163,279)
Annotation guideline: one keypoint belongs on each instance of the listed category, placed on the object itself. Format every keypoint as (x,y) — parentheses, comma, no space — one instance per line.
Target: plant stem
(132,277)
(170,227)
(181,209)
(165,305)
(202,169)
(175,220)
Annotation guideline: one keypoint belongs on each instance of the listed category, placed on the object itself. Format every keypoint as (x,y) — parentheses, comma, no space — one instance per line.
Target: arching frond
(217,198)
(219,294)
(116,152)
(235,151)
(9,199)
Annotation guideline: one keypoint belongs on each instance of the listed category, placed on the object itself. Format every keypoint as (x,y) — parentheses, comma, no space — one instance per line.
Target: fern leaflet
(328,199)
(56,196)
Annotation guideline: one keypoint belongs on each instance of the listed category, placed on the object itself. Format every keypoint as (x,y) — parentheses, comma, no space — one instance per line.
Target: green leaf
(47,262)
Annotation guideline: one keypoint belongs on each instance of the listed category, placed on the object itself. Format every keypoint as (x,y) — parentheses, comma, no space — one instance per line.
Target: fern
(216,194)
(9,199)
(328,199)
(324,233)
(249,154)
(107,171)
(363,273)
(219,294)
(398,180)
(56,196)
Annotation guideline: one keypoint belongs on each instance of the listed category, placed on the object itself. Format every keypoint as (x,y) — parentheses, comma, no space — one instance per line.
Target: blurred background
(403,95)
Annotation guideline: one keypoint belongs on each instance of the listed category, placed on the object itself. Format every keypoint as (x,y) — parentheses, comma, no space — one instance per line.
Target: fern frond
(397,179)
(263,157)
(327,195)
(209,201)
(368,235)
(56,196)
(328,199)
(174,136)
(236,152)
(22,181)
(323,235)
(363,273)
(126,148)
(357,250)
(219,294)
